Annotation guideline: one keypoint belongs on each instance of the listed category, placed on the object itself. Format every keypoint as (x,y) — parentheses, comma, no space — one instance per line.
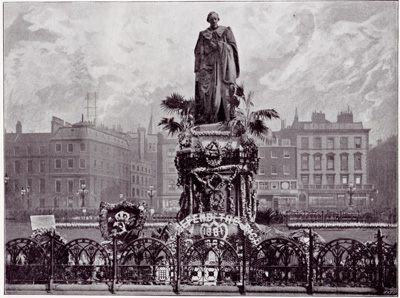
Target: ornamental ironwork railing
(183,263)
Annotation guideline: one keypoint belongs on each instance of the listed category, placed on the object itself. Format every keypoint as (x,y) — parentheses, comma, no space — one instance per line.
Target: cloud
(313,55)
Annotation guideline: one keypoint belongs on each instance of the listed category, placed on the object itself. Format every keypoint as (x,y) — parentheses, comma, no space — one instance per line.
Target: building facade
(60,162)
(276,180)
(168,193)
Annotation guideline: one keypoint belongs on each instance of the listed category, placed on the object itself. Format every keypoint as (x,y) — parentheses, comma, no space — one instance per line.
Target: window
(70,163)
(344,162)
(70,186)
(29,185)
(330,142)
(304,179)
(171,167)
(42,203)
(30,166)
(30,151)
(57,164)
(56,202)
(317,179)
(17,167)
(171,185)
(42,185)
(304,162)
(286,154)
(95,164)
(330,162)
(262,185)
(285,142)
(58,147)
(16,185)
(274,154)
(42,166)
(317,143)
(330,179)
(58,185)
(286,170)
(70,202)
(357,161)
(344,142)
(358,179)
(171,153)
(261,153)
(274,170)
(83,147)
(82,163)
(42,150)
(344,179)
(70,147)
(16,150)
(357,142)
(317,162)
(261,170)
(133,192)
(304,143)
(137,192)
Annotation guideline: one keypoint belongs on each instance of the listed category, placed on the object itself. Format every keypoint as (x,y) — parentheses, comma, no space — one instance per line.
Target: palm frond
(266,114)
(258,129)
(173,103)
(240,89)
(170,125)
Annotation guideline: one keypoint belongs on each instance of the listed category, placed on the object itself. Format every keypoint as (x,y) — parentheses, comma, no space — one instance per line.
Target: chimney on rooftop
(18,127)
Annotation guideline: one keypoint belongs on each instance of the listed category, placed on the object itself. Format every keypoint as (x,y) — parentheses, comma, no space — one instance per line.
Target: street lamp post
(351,191)
(82,192)
(6,179)
(23,192)
(151,193)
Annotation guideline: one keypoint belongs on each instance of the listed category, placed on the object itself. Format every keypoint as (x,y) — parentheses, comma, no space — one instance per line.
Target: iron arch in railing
(345,262)
(278,261)
(146,261)
(211,261)
(82,261)
(26,262)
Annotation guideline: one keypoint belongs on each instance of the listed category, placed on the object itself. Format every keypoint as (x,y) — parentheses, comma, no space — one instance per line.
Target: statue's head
(213,19)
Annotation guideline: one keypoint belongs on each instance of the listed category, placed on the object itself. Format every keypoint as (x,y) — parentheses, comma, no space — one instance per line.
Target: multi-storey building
(382,172)
(276,180)
(331,157)
(26,168)
(143,166)
(59,163)
(168,193)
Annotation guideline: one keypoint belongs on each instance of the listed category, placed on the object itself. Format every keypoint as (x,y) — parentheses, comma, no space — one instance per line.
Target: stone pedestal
(216,172)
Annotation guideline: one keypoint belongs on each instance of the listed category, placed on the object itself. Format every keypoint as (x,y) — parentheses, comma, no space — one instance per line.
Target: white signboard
(43,221)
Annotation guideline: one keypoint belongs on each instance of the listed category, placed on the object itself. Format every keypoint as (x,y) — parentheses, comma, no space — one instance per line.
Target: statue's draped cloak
(216,72)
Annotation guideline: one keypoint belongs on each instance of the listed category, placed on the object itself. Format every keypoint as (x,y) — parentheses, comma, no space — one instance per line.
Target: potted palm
(250,122)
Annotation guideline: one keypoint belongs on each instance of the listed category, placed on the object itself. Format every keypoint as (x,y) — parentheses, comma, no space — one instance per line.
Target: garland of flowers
(77,225)
(340,225)
(211,133)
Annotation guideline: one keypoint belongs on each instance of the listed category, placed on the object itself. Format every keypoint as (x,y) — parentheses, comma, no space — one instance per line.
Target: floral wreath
(122,221)
(44,235)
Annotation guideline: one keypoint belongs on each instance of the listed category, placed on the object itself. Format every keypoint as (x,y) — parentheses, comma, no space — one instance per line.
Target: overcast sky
(316,56)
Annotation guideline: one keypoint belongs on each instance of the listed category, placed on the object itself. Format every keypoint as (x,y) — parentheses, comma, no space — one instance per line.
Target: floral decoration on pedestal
(123,221)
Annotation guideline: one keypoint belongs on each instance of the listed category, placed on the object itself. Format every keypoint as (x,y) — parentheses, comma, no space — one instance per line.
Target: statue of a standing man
(216,68)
